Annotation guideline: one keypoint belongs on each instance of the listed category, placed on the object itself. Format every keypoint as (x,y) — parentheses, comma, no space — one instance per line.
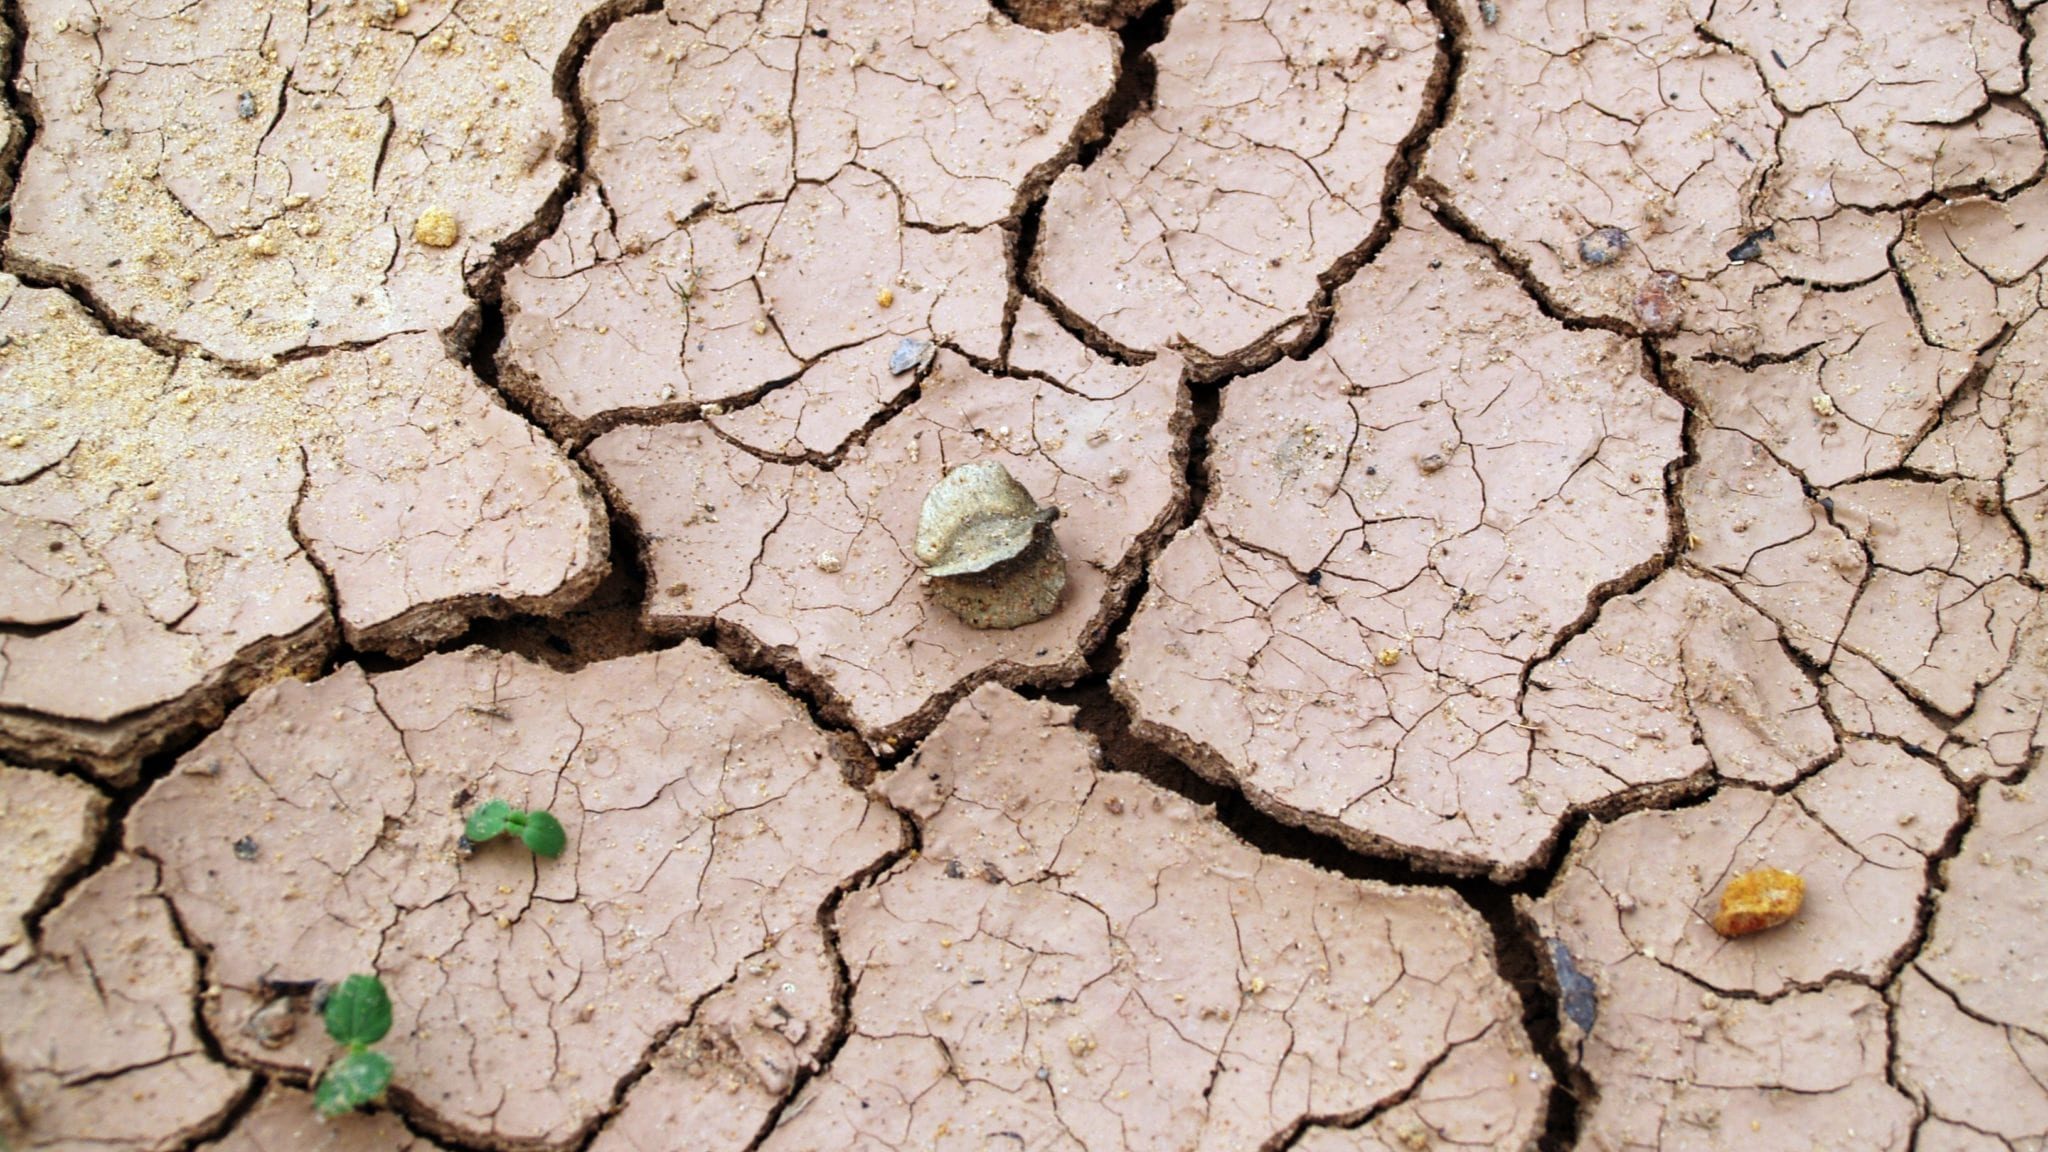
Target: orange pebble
(1758,900)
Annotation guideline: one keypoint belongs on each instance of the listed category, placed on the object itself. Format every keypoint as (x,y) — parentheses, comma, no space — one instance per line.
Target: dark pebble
(1752,246)
(1574,988)
(1603,246)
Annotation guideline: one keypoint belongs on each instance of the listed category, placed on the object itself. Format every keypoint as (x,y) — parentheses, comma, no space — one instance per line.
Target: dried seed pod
(1603,246)
(1758,900)
(989,548)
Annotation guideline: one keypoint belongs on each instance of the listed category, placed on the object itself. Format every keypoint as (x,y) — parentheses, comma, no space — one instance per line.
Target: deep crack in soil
(1874,699)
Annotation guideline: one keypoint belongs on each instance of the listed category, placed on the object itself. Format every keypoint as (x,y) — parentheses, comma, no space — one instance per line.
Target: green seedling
(539,831)
(358,1015)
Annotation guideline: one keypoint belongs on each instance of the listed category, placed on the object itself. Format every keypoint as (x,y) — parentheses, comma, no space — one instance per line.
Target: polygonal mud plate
(1749,521)
(1973,1037)
(812,568)
(53,823)
(1974,267)
(102,1047)
(2007,730)
(1944,602)
(1675,683)
(1739,147)
(1837,385)
(768,187)
(1776,1040)
(315,835)
(730,1070)
(1081,959)
(1998,433)
(1397,527)
(1258,168)
(156,521)
(252,178)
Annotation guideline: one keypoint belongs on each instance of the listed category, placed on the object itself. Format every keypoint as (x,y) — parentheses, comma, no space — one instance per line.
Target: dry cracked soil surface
(1516,467)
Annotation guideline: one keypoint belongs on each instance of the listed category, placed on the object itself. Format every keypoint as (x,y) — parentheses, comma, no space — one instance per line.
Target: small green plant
(539,831)
(358,1014)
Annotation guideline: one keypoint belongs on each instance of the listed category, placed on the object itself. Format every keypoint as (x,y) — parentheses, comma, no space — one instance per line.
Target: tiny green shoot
(539,831)
(358,1014)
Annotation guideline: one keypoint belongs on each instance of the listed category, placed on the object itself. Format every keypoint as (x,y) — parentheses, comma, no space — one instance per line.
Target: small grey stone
(1574,988)
(1603,246)
(911,353)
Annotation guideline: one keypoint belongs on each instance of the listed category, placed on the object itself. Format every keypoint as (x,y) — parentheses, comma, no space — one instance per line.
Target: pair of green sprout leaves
(358,1012)
(540,832)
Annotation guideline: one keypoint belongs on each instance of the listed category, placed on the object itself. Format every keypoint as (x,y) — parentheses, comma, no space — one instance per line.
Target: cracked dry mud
(708,820)
(1520,465)
(1074,956)
(1399,528)
(1209,223)
(175,533)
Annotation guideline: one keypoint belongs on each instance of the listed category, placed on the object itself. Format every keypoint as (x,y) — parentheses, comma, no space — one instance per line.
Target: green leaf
(544,835)
(487,822)
(358,1078)
(359,1012)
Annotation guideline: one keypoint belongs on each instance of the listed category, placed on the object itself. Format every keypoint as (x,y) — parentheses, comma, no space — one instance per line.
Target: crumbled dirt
(1057,15)
(151,573)
(1208,223)
(54,823)
(1520,465)
(172,530)
(707,819)
(1398,528)
(1110,967)
(812,569)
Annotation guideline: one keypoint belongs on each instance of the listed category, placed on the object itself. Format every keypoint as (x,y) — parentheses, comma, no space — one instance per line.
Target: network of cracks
(1520,464)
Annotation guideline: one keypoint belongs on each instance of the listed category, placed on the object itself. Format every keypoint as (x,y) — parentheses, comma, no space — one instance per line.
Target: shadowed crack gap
(1136,79)
(1401,175)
